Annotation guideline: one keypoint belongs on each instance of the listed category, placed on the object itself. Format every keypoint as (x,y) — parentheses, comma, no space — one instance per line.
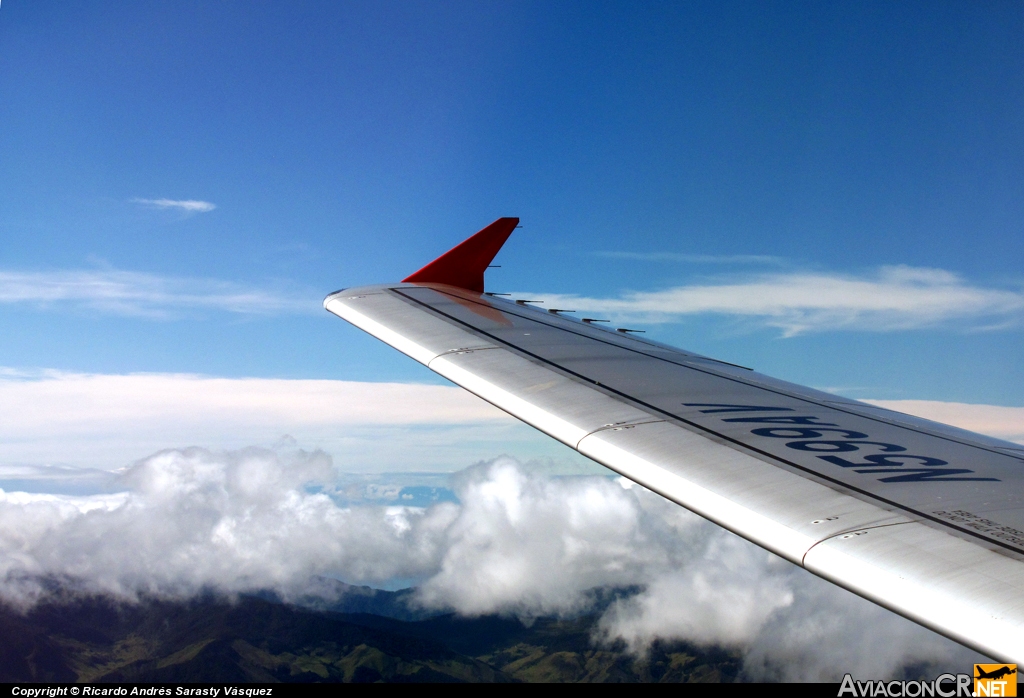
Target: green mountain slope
(564,650)
(213,640)
(261,640)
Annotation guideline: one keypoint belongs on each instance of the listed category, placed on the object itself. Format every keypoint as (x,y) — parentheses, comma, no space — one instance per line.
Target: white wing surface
(922,518)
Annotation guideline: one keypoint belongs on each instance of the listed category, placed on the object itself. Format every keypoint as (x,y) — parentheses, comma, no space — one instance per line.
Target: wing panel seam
(852,529)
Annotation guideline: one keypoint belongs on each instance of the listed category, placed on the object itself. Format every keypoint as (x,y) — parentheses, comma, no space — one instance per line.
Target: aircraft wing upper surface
(922,518)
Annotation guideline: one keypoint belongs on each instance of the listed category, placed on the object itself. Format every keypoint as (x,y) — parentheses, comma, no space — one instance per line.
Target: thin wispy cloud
(141,294)
(71,402)
(995,420)
(189,205)
(693,258)
(892,298)
(106,421)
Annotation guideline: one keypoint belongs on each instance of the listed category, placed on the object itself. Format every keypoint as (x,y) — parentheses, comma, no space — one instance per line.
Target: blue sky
(349,143)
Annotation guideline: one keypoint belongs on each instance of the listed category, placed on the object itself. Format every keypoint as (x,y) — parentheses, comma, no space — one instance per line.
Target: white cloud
(1001,422)
(190,205)
(893,298)
(104,422)
(78,402)
(791,625)
(520,542)
(193,520)
(108,421)
(724,594)
(828,631)
(140,294)
(533,545)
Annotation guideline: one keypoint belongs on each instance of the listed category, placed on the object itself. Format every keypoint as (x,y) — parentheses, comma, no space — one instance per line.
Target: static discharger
(589,320)
(556,311)
(624,330)
(522,302)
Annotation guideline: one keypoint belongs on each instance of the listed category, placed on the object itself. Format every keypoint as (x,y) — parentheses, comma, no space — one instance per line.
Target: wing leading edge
(924,519)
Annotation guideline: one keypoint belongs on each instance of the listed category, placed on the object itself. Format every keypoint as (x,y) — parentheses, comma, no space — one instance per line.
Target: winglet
(463,265)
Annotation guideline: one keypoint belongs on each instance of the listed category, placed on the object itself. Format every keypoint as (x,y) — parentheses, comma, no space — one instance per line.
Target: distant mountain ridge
(380,637)
(333,596)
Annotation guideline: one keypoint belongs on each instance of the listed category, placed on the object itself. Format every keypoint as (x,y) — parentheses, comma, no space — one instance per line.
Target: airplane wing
(922,518)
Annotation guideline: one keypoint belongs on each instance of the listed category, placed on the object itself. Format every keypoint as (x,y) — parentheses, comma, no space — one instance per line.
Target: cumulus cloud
(724,595)
(189,205)
(892,298)
(532,545)
(194,520)
(191,521)
(142,295)
(790,625)
(828,631)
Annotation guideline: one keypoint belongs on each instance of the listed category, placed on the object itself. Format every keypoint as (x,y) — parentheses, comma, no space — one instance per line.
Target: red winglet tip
(463,266)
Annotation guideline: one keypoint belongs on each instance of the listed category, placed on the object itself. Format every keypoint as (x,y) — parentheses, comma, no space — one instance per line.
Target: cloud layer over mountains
(518,542)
